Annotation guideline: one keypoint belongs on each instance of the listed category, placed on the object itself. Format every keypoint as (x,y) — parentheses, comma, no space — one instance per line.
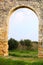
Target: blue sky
(23,24)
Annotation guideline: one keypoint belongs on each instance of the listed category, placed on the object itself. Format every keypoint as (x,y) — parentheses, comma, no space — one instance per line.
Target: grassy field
(21,58)
(24,53)
(9,61)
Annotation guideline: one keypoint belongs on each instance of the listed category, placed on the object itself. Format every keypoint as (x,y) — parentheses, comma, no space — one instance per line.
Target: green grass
(24,53)
(4,61)
(21,58)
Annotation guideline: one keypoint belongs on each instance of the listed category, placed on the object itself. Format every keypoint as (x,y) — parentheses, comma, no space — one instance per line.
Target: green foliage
(22,42)
(27,43)
(35,42)
(13,44)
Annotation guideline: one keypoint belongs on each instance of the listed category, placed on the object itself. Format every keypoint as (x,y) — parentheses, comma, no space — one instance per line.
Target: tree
(27,43)
(13,44)
(22,42)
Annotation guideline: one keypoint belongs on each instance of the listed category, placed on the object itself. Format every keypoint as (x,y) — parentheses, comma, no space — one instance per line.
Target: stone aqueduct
(6,8)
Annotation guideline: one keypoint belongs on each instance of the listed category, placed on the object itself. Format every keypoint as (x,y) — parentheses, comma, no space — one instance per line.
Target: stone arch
(14,9)
(6,8)
(22,6)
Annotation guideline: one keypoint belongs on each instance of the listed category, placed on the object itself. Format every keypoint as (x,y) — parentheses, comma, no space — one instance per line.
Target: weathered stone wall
(6,8)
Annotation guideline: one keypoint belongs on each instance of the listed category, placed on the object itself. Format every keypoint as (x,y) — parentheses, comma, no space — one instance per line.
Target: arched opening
(24,25)
(27,20)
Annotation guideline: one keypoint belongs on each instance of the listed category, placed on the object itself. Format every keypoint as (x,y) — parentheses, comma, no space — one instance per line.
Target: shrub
(13,44)
(27,42)
(22,42)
